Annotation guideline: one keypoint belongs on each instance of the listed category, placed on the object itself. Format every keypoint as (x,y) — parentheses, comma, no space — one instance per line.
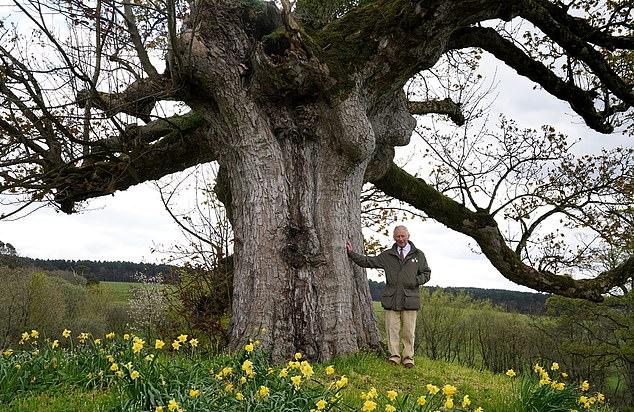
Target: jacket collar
(394,249)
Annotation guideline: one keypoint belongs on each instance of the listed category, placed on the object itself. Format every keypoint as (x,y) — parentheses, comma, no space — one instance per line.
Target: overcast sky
(128,225)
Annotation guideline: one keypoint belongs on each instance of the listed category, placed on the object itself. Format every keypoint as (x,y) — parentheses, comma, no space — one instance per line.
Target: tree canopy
(98,96)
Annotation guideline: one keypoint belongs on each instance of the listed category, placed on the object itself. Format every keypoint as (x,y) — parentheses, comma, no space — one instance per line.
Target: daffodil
(296,381)
(466,401)
(66,333)
(158,409)
(55,344)
(25,336)
(111,335)
(449,390)
(229,387)
(158,344)
(389,408)
(392,395)
(247,365)
(449,403)
(172,405)
(126,336)
(306,370)
(114,367)
(432,389)
(343,381)
(479,409)
(194,393)
(263,392)
(368,406)
(137,346)
(330,370)
(35,334)
(321,404)
(511,373)
(283,373)
(134,375)
(8,352)
(239,396)
(182,338)
(422,400)
(248,347)
(585,386)
(193,343)
(554,366)
(176,345)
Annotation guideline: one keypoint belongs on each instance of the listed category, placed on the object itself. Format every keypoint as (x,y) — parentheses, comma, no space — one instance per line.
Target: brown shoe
(408,362)
(394,360)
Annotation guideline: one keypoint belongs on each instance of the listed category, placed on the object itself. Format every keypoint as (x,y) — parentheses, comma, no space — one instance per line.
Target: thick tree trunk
(295,201)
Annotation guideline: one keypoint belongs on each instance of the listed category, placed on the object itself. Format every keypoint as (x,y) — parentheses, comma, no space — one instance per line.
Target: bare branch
(484,230)
(489,40)
(445,106)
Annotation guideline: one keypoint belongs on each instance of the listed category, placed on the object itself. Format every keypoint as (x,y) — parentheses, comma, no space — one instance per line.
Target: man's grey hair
(401,227)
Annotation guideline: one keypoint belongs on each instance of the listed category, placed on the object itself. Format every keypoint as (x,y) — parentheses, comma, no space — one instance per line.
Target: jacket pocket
(412,299)
(387,298)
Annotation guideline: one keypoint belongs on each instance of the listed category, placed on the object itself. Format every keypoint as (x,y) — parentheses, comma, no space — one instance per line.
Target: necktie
(401,254)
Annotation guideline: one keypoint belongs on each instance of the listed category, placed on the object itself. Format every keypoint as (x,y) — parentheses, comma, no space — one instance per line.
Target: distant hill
(513,301)
(102,271)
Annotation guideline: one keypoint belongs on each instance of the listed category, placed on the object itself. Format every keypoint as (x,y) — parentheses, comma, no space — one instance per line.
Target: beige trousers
(399,327)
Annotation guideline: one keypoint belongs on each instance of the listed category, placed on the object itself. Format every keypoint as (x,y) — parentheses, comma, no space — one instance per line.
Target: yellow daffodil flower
(368,406)
(449,390)
(392,395)
(432,389)
(263,392)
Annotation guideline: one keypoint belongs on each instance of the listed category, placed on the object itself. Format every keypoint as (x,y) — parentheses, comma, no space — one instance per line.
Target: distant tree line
(92,270)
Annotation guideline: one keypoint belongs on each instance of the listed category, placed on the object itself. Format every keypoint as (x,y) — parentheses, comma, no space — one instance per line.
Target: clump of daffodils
(549,385)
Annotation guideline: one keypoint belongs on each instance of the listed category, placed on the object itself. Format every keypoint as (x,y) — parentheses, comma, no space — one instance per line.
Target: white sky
(126,226)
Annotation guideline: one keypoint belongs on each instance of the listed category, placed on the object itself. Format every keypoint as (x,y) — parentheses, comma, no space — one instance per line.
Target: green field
(121,290)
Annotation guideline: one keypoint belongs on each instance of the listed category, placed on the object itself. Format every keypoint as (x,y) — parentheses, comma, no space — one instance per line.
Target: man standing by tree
(405,269)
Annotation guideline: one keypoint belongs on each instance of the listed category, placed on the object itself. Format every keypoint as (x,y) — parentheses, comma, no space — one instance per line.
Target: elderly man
(405,269)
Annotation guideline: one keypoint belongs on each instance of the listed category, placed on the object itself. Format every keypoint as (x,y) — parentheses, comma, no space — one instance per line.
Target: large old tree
(300,105)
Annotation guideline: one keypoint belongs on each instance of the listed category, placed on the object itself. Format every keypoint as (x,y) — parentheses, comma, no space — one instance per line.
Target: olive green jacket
(402,278)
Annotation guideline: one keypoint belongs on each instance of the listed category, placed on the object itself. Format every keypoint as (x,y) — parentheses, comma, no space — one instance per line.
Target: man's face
(401,237)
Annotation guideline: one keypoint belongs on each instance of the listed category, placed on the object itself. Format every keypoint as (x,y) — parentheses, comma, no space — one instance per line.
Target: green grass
(62,400)
(120,290)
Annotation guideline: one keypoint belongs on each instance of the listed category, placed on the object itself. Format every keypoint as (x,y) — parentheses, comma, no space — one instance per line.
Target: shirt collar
(406,249)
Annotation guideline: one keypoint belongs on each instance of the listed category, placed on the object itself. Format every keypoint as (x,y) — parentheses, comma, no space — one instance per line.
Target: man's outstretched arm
(364,261)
